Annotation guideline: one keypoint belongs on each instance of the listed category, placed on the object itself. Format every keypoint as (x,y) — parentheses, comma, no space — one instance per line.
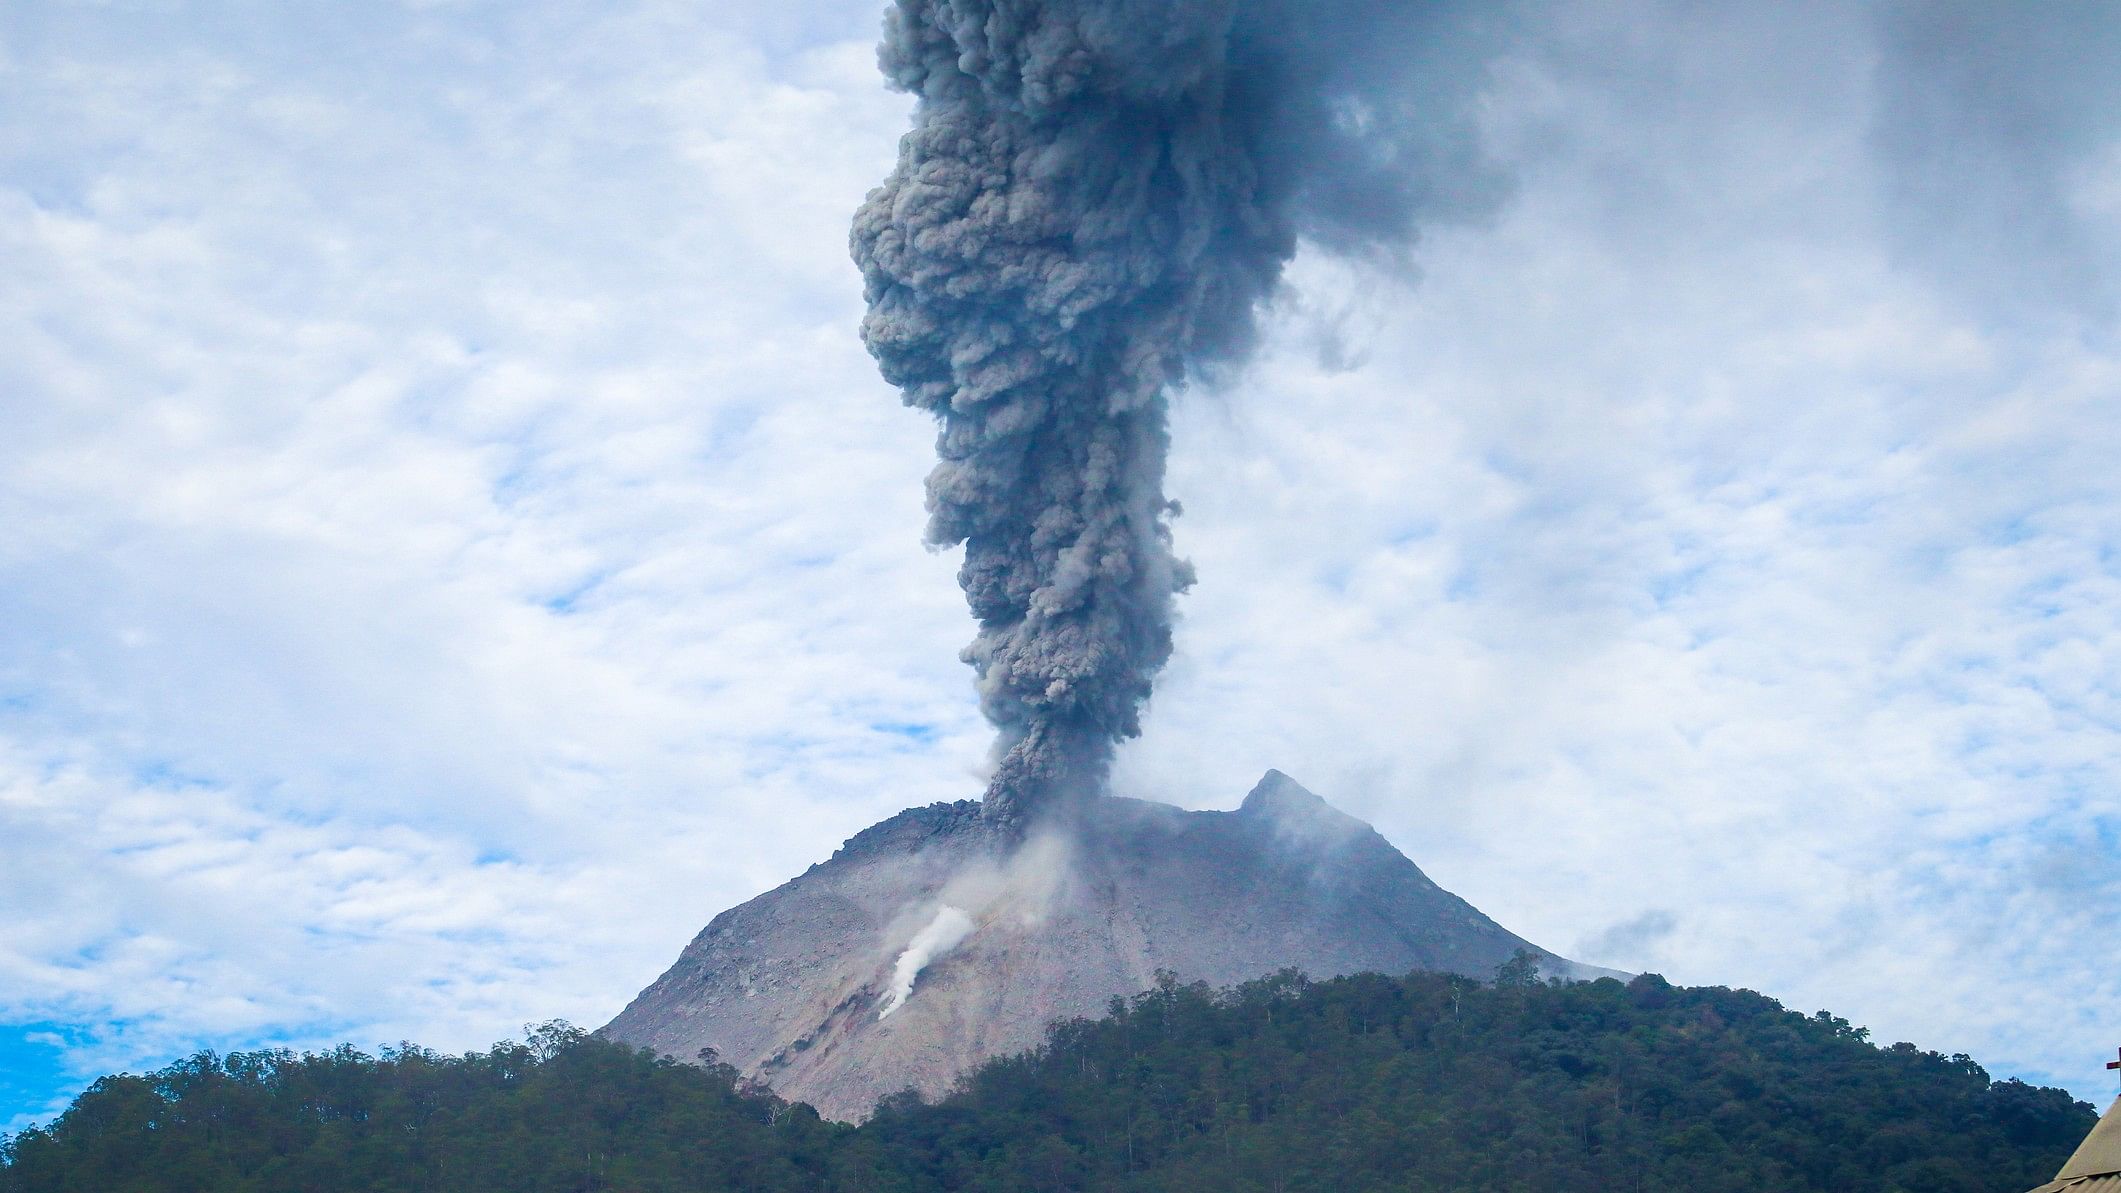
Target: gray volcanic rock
(789,987)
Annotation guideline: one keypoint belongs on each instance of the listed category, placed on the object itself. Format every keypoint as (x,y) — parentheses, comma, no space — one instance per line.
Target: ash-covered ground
(933,940)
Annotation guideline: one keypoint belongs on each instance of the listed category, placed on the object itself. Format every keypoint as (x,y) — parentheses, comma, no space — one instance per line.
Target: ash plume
(1094,199)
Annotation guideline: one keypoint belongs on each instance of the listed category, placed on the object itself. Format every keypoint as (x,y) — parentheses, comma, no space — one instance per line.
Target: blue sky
(33,1070)
(456,543)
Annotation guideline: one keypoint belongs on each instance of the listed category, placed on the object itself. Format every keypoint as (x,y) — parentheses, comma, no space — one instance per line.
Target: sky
(455,543)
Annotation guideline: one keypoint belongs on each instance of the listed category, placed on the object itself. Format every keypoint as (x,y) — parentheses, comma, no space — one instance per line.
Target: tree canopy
(1423,1082)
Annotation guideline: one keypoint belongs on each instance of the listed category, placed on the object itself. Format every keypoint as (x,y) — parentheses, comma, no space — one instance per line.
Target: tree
(1521,970)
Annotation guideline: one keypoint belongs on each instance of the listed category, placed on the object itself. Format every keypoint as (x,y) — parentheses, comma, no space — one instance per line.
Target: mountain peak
(1276,791)
(1279,798)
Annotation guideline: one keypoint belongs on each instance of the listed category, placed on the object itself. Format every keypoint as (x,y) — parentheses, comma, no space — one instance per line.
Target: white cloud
(455,546)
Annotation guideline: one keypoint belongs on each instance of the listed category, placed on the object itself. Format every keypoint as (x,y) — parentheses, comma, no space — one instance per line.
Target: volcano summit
(937,939)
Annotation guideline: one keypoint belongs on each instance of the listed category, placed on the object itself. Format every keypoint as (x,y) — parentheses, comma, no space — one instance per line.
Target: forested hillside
(1425,1082)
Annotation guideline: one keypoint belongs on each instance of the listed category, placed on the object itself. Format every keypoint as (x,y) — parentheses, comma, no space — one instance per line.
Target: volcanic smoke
(1093,201)
(945,932)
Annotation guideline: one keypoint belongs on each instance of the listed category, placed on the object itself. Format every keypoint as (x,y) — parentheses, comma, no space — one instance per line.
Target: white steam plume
(945,932)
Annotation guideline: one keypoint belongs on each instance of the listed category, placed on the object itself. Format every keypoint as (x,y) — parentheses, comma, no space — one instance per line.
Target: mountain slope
(790,987)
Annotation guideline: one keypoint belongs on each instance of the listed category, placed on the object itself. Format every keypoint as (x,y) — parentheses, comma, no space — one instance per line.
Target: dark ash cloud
(1094,199)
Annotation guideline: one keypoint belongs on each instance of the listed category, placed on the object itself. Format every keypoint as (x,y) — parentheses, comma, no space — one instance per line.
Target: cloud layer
(457,542)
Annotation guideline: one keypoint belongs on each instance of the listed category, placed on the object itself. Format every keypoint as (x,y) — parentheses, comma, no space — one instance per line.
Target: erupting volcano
(1095,200)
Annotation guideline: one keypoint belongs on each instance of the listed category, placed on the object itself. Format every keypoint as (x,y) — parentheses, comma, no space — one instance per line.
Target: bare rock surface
(791,987)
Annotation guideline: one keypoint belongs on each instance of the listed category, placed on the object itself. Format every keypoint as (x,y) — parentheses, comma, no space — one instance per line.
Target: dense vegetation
(1418,1083)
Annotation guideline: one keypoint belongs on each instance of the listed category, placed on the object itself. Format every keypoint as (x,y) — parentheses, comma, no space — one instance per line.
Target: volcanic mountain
(935,940)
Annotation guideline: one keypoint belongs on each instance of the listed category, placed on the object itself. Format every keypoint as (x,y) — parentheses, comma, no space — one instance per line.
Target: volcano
(805,987)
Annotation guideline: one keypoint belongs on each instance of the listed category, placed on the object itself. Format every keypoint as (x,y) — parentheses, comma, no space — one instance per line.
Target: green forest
(1423,1082)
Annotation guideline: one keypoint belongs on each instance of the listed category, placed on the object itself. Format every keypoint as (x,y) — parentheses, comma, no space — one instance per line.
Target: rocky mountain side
(931,941)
